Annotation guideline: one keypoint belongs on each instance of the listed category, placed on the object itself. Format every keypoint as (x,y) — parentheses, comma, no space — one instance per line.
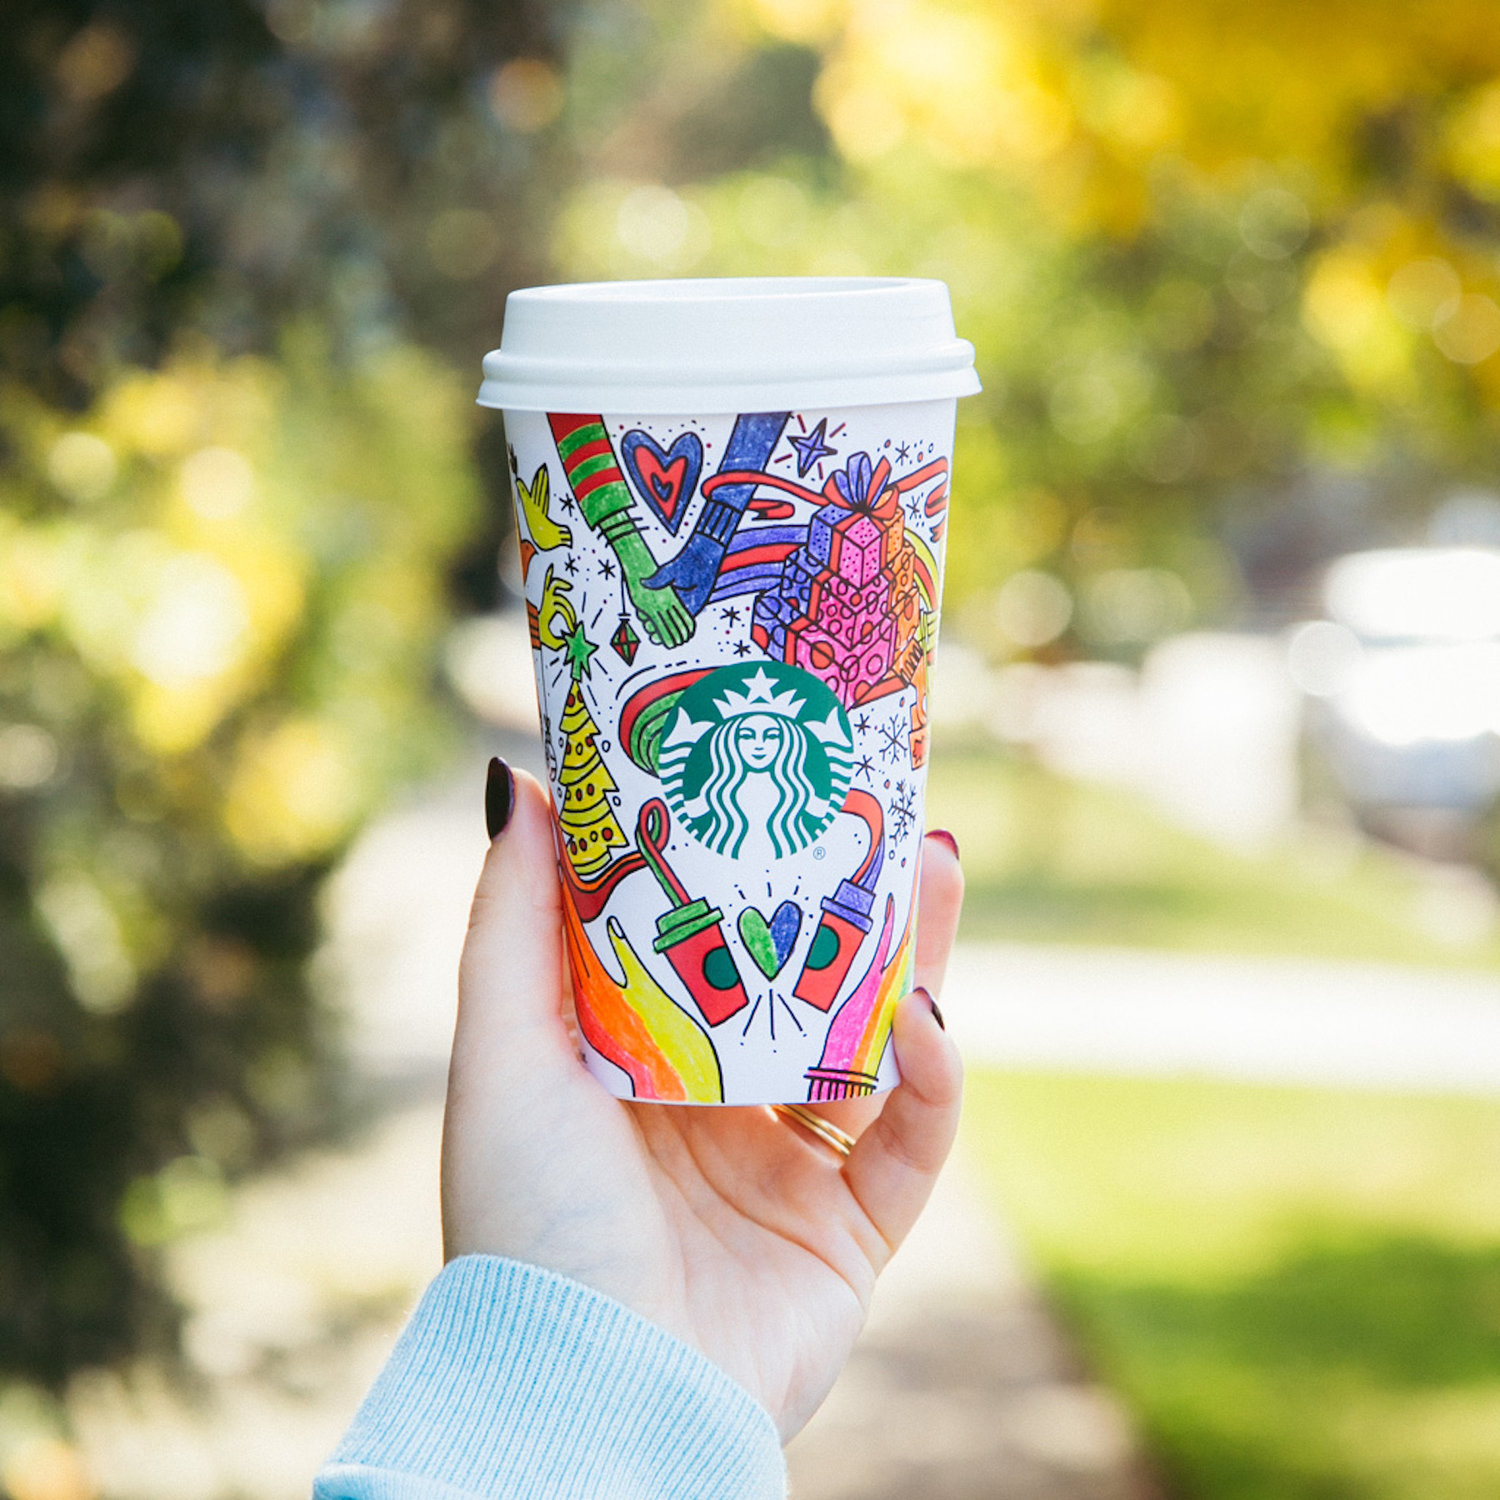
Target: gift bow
(862,487)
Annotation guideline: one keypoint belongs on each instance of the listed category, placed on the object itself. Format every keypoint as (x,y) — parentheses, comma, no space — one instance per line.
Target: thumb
(512,982)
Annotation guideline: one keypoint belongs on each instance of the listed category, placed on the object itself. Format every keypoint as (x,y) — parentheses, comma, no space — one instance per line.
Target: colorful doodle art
(733,648)
(696,568)
(770,943)
(850,1064)
(845,607)
(600,490)
(664,479)
(534,503)
(690,934)
(846,914)
(554,606)
(636,1025)
(592,835)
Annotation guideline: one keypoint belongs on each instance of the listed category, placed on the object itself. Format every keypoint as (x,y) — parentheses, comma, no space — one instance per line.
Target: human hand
(728,1227)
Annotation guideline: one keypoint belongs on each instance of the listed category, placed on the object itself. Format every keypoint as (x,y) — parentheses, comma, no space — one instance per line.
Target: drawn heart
(770,943)
(665,478)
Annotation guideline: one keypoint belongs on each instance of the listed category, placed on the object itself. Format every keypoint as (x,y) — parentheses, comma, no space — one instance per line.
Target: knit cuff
(514,1381)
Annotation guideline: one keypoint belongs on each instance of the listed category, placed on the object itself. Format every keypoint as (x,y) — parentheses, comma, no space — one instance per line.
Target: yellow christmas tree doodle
(592,834)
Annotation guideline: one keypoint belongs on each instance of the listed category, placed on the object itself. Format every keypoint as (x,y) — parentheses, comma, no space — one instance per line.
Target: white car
(1403,679)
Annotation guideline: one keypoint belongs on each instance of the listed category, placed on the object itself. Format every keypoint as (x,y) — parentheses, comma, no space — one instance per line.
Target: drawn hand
(662,614)
(693,572)
(727,1226)
(555,604)
(535,500)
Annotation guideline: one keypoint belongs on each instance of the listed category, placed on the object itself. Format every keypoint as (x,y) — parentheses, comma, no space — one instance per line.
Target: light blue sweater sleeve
(511,1381)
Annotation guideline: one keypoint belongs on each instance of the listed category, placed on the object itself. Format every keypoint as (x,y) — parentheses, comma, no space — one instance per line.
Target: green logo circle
(759,746)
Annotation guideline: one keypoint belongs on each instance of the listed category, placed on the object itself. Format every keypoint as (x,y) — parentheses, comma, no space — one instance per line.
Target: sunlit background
(1217,715)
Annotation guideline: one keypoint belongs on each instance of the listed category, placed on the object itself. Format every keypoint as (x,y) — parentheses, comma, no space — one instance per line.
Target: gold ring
(825,1130)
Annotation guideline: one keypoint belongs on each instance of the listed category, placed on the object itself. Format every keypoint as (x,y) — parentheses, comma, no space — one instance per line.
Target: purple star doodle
(811,447)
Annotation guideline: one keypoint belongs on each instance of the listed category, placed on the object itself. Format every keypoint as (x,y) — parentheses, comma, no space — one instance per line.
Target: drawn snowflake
(866,767)
(903,813)
(893,739)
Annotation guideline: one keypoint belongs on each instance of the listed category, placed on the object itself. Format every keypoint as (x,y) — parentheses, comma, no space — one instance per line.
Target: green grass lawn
(1297,1291)
(1049,860)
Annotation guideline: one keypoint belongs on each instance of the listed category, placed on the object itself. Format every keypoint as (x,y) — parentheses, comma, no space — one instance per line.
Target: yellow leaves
(1424,292)
(1136,112)
(216,483)
(1344,304)
(193,402)
(1473,143)
(155,413)
(1344,307)
(649,230)
(966,82)
(184,631)
(210,626)
(1470,333)
(82,465)
(240,564)
(294,792)
(33,565)
(809,22)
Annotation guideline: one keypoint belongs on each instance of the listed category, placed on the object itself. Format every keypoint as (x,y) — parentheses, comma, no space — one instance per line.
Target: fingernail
(926,994)
(499,797)
(946,837)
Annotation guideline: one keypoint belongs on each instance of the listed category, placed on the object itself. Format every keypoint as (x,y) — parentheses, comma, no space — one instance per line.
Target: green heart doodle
(770,943)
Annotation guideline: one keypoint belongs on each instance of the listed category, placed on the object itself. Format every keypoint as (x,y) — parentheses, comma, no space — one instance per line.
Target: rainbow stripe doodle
(636,1024)
(861,1027)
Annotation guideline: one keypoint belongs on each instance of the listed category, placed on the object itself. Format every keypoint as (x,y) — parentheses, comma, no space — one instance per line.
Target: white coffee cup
(731,504)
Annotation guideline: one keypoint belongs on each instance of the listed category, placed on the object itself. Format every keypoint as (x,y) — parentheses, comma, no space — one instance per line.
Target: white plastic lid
(730,345)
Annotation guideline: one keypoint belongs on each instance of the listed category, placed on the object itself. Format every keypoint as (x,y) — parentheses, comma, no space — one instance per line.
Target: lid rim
(734,343)
(699,400)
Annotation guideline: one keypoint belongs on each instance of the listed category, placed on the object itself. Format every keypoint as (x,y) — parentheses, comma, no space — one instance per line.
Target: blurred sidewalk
(961,1386)
(1265,1020)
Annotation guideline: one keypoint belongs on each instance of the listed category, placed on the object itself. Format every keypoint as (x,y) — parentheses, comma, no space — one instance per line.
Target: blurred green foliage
(220,591)
(238,505)
(1297,1290)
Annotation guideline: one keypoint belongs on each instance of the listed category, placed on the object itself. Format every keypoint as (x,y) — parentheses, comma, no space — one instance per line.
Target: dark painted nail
(926,994)
(946,837)
(499,797)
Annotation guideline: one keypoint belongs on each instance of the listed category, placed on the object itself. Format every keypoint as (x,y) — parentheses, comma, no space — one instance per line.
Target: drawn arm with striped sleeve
(599,487)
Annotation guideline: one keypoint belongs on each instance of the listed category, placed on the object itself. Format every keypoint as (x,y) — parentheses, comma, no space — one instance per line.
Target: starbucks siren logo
(767,746)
